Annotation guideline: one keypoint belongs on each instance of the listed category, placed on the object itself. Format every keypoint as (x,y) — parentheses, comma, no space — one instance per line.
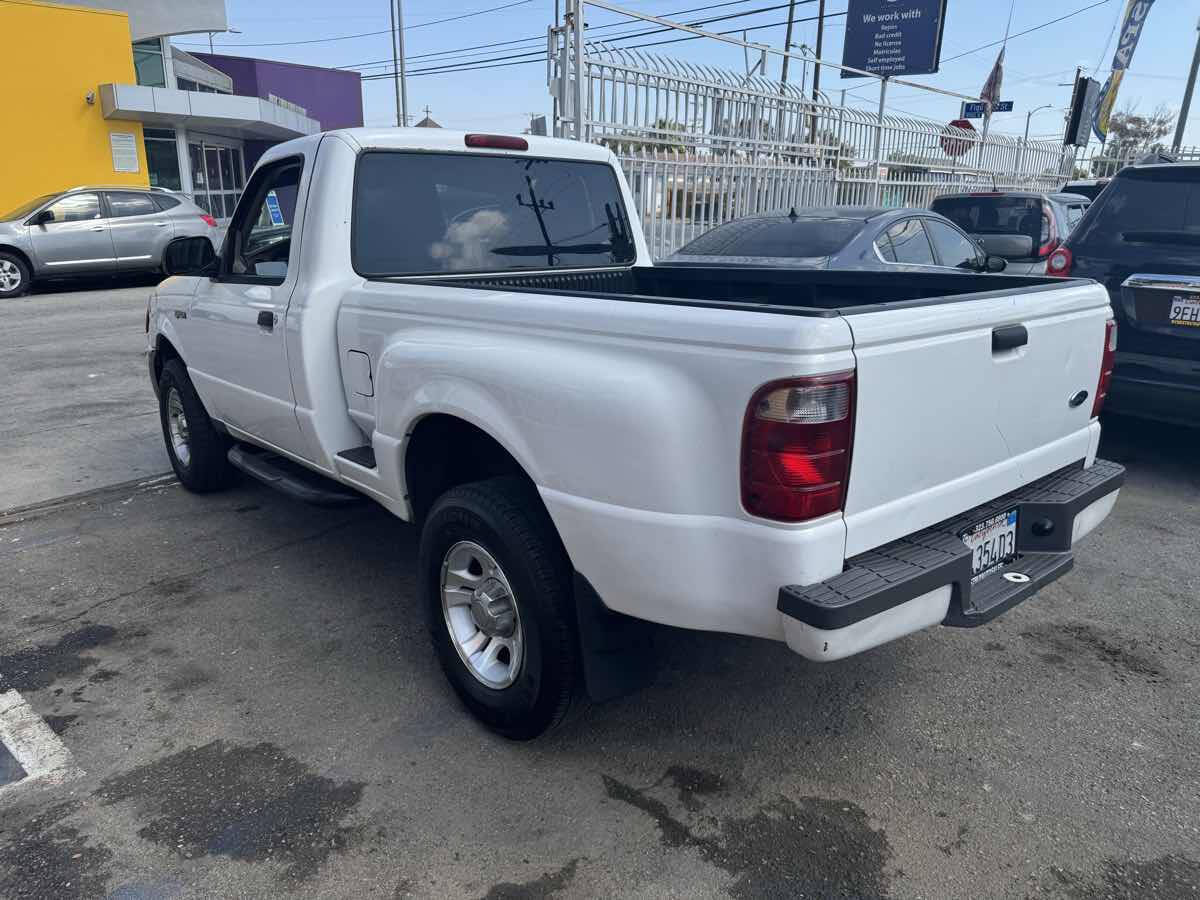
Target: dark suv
(1141,240)
(1021,226)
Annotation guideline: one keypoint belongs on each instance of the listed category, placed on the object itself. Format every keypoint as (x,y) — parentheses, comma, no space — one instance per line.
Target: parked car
(1141,240)
(1020,226)
(94,231)
(1088,187)
(469,330)
(840,237)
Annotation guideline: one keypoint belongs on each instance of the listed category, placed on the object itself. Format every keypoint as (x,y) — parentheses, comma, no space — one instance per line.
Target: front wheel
(196,449)
(497,584)
(14,276)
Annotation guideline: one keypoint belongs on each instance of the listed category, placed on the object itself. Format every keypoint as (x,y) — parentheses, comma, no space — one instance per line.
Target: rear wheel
(14,276)
(497,584)
(196,449)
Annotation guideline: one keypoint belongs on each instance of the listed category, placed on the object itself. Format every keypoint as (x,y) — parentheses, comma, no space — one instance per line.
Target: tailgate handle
(1009,337)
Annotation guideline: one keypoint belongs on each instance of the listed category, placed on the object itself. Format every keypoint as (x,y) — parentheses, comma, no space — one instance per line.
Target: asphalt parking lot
(251,708)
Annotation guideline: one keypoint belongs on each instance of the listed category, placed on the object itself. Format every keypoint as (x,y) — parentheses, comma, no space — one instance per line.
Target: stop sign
(953,141)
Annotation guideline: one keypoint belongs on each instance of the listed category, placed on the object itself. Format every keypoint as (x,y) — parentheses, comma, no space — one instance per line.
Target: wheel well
(6,248)
(163,351)
(444,452)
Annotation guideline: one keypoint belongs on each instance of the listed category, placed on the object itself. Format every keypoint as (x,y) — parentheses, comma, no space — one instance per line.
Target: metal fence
(1108,161)
(701,145)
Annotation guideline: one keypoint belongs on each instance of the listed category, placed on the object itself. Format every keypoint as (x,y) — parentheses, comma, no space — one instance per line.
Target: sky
(1038,65)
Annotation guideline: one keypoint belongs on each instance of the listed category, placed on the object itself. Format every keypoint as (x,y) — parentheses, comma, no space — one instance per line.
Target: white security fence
(702,145)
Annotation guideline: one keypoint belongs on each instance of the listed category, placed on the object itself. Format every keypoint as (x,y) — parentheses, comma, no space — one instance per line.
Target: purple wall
(332,96)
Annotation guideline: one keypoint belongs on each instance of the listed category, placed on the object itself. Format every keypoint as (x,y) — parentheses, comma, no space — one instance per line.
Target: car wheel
(15,279)
(497,584)
(196,449)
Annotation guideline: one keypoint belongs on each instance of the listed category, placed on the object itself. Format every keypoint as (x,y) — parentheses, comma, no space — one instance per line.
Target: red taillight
(1106,365)
(796,444)
(208,220)
(497,141)
(1059,263)
(1051,228)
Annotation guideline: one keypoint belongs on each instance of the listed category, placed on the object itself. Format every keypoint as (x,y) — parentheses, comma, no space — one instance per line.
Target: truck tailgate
(946,422)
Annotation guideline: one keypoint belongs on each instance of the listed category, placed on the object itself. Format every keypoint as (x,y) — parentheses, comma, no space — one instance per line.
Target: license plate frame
(992,542)
(1183,311)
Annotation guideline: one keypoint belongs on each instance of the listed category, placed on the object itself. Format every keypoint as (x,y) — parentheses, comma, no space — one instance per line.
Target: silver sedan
(94,231)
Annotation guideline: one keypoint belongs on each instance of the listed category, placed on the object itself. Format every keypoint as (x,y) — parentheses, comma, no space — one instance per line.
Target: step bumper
(924,578)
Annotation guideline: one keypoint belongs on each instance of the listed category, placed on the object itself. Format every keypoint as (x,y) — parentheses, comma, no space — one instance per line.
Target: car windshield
(775,238)
(26,208)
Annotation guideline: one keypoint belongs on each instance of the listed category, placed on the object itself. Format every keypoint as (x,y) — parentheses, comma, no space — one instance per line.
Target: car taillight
(209,220)
(1059,263)
(796,444)
(1049,233)
(1106,365)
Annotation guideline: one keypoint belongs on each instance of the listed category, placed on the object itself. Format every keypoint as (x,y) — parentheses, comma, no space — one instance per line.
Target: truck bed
(804,292)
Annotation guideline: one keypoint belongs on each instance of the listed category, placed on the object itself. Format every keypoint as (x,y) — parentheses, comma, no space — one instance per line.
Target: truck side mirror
(190,256)
(995,264)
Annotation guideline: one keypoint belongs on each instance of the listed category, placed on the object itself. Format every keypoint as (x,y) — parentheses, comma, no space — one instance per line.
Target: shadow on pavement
(95,283)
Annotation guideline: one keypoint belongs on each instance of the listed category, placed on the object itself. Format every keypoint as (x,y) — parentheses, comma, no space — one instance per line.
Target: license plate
(1185,311)
(993,543)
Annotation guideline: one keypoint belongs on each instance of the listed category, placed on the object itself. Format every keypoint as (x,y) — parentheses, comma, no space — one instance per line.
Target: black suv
(1141,240)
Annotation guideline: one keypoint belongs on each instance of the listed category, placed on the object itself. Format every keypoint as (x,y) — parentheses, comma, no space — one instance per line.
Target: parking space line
(36,748)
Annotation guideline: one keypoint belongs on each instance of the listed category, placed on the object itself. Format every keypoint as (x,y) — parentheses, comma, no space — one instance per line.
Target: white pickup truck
(468,330)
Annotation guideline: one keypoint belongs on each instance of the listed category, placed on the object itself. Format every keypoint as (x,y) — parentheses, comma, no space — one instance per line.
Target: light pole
(229,30)
(398,74)
(1028,116)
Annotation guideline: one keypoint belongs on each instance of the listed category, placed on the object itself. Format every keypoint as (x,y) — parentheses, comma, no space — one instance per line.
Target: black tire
(506,518)
(9,262)
(207,467)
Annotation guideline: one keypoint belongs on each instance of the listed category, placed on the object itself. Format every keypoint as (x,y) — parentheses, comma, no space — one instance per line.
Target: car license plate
(1185,311)
(993,543)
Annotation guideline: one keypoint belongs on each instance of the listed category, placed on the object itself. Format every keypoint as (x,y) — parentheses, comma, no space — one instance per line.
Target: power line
(540,55)
(541,37)
(1069,15)
(347,37)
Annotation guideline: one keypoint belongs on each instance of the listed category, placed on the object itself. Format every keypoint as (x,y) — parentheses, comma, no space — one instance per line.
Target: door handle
(1009,337)
(161,224)
(98,228)
(266,320)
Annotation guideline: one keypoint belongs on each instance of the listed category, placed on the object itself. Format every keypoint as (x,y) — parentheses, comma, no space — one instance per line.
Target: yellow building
(55,59)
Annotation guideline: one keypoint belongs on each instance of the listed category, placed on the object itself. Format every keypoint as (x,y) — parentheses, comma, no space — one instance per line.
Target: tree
(1129,132)
(664,134)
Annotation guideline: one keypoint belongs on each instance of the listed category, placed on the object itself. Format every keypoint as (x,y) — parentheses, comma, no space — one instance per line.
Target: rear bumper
(1155,388)
(925,578)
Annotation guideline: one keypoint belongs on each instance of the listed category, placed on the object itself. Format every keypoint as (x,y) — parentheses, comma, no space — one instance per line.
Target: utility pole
(396,10)
(787,41)
(1187,94)
(817,65)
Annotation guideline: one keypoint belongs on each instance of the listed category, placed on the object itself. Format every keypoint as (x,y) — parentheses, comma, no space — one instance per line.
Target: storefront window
(162,158)
(148,63)
(217,177)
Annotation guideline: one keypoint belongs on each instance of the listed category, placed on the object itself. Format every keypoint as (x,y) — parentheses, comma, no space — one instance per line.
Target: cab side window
(130,204)
(260,237)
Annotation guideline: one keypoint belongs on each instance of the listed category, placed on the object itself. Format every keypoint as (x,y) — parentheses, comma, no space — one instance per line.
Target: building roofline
(275,62)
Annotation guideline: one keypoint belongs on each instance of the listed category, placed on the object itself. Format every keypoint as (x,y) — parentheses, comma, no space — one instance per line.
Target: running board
(290,478)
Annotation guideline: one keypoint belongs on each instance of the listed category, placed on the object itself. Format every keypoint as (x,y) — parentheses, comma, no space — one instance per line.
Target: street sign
(975,109)
(954,142)
(894,37)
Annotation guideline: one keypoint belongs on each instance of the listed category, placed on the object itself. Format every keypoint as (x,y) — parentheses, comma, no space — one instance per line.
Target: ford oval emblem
(1077,399)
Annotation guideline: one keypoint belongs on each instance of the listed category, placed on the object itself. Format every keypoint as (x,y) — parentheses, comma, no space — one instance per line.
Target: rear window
(1152,206)
(993,215)
(434,213)
(775,238)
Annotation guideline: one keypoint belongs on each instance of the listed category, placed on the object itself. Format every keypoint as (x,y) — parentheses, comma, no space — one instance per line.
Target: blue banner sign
(894,37)
(975,109)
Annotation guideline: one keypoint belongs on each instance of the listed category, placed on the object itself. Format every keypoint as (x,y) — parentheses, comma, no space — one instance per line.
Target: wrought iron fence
(1108,161)
(702,145)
